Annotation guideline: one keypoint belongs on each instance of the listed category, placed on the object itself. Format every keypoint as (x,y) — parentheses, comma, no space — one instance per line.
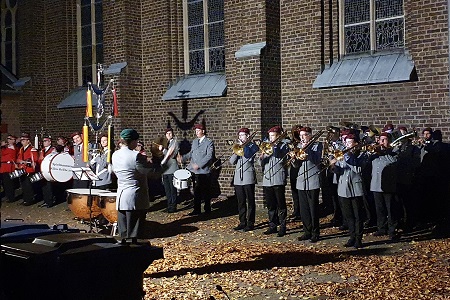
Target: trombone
(267,147)
(236,148)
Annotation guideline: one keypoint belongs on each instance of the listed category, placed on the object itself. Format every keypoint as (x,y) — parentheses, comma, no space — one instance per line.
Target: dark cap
(129,134)
(24,136)
(199,126)
(402,128)
(168,129)
(245,130)
(351,136)
(12,136)
(47,137)
(276,129)
(306,129)
(429,129)
(388,126)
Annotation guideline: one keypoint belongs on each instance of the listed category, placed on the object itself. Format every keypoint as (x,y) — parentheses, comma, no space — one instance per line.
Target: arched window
(8,35)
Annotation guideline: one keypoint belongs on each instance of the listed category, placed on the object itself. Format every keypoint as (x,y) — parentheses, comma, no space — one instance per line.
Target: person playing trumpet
(245,179)
(273,162)
(308,184)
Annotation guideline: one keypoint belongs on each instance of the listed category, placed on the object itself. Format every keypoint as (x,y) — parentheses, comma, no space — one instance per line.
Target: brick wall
(274,88)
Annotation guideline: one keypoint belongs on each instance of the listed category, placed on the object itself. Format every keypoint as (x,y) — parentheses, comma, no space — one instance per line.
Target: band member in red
(8,165)
(27,160)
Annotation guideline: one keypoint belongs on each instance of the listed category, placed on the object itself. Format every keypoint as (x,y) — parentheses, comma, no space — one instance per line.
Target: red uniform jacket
(28,159)
(8,160)
(43,153)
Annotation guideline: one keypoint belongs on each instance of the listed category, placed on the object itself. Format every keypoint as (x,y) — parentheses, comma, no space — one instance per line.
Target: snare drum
(182,179)
(36,177)
(17,173)
(79,204)
(107,204)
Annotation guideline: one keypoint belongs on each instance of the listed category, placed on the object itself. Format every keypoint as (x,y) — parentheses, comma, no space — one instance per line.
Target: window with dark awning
(76,98)
(197,86)
(368,69)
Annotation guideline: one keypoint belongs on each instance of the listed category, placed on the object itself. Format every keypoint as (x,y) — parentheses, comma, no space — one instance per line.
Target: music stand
(84,173)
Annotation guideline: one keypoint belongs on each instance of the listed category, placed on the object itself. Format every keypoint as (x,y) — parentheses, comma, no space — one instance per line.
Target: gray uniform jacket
(131,169)
(245,166)
(78,158)
(308,173)
(378,165)
(274,166)
(350,182)
(200,154)
(101,169)
(171,164)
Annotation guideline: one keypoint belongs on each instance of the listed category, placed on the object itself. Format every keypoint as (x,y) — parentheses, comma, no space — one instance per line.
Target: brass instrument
(301,152)
(373,131)
(349,125)
(239,149)
(399,140)
(267,147)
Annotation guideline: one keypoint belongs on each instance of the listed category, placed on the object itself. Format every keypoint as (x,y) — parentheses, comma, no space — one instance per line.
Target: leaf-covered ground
(204,258)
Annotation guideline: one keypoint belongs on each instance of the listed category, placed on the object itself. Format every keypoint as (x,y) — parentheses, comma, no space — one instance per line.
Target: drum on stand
(107,204)
(182,179)
(57,167)
(80,204)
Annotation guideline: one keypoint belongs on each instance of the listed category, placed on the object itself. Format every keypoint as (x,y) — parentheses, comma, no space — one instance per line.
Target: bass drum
(107,204)
(57,167)
(81,206)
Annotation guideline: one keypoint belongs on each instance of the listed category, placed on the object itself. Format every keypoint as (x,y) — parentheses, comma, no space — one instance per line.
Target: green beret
(129,134)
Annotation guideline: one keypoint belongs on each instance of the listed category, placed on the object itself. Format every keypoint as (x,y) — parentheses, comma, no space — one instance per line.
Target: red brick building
(285,62)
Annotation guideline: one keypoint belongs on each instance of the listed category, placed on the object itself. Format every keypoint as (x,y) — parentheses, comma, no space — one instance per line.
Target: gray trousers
(130,223)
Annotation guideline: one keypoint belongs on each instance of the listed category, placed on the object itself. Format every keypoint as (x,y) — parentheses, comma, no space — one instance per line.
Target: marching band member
(8,165)
(132,202)
(27,159)
(383,187)
(351,190)
(101,166)
(293,173)
(245,180)
(170,165)
(77,138)
(62,145)
(308,184)
(48,187)
(200,156)
(274,181)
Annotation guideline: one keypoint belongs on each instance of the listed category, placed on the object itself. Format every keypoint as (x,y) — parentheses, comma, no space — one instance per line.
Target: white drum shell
(182,179)
(57,167)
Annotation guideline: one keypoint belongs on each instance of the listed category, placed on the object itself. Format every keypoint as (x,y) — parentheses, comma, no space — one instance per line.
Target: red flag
(115,105)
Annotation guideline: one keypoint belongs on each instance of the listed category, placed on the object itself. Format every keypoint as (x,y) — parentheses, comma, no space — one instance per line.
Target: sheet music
(84,173)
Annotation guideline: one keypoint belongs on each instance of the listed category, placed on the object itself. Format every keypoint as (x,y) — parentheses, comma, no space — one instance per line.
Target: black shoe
(171,210)
(248,228)
(394,237)
(304,237)
(281,232)
(358,244)
(45,205)
(27,203)
(379,233)
(194,213)
(343,227)
(350,243)
(296,219)
(314,239)
(270,231)
(239,227)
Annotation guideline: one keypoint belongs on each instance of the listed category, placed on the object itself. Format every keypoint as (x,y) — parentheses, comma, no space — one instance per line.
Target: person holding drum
(245,179)
(27,159)
(132,200)
(47,186)
(170,165)
(77,138)
(101,166)
(200,156)
(8,166)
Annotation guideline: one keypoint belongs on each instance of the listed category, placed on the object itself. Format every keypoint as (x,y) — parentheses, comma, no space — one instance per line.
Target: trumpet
(399,140)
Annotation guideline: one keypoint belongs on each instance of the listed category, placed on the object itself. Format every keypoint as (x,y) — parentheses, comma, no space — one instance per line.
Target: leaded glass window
(90,39)
(8,35)
(204,36)
(373,25)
